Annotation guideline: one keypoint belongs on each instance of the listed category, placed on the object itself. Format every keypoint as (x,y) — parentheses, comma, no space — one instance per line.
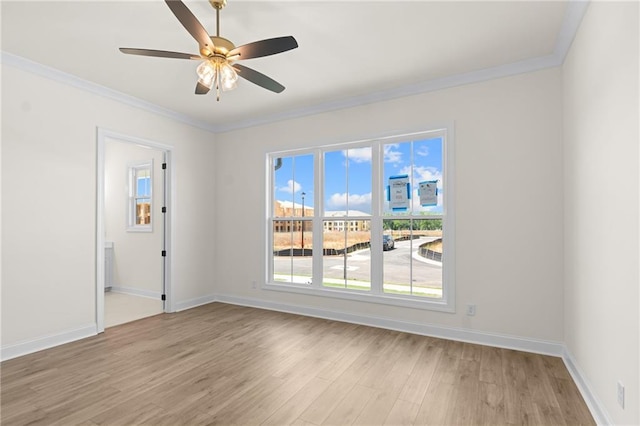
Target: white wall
(137,265)
(600,80)
(49,204)
(509,240)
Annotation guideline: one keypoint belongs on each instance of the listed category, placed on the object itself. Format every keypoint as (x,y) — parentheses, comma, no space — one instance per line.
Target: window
(367,221)
(347,218)
(414,168)
(140,197)
(292,226)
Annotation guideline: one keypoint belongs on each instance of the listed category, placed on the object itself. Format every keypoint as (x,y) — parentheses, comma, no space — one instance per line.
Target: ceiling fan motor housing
(221,46)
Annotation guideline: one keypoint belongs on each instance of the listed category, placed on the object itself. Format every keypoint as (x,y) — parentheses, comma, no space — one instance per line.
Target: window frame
(376,293)
(132,172)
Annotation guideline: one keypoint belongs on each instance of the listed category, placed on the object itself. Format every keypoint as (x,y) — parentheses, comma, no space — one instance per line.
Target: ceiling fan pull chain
(218,82)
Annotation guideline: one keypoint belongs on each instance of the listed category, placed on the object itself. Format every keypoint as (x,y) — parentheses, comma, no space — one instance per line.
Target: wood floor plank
(402,413)
(520,407)
(266,406)
(490,406)
(468,390)
(491,365)
(439,398)
(289,412)
(383,400)
(348,410)
(541,391)
(225,364)
(129,413)
(327,401)
(420,377)
(574,410)
(350,352)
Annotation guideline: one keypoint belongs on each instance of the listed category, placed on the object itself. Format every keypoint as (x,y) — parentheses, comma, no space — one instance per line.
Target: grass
(365,285)
(350,286)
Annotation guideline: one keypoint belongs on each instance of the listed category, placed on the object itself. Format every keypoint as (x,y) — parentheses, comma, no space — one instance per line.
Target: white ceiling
(350,51)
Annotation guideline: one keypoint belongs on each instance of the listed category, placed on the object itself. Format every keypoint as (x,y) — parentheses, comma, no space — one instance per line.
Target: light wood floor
(224,364)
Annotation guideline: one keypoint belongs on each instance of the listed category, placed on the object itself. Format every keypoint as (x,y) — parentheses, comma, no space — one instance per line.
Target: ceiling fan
(219,55)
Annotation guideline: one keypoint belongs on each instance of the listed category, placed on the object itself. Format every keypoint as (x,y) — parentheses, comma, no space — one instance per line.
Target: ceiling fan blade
(266,47)
(258,78)
(201,89)
(158,53)
(190,22)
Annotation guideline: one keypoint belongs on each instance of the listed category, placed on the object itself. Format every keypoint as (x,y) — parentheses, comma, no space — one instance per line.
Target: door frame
(169,185)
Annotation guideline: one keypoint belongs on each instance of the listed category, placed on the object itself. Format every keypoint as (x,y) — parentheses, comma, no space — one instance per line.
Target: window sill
(384,299)
(140,229)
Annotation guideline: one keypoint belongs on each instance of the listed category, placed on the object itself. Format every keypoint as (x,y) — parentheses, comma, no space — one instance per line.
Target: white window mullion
(271,178)
(376,218)
(318,202)
(448,222)
(345,222)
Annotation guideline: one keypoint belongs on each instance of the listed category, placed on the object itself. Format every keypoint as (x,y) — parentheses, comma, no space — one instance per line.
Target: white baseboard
(45,342)
(596,408)
(192,303)
(451,333)
(599,413)
(137,292)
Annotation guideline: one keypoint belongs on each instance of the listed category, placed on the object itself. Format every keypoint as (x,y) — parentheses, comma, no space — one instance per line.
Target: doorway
(133,221)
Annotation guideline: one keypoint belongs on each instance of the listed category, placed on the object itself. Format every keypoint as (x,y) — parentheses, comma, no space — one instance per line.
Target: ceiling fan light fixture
(217,72)
(206,73)
(228,77)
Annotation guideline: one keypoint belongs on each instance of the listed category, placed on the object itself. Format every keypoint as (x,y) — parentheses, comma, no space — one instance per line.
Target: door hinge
(164,166)
(164,210)
(164,297)
(164,253)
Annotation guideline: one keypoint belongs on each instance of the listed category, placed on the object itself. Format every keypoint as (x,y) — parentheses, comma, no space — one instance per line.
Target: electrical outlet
(471,310)
(621,394)
(254,284)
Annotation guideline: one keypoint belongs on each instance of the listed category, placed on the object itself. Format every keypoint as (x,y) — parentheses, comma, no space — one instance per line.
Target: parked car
(387,242)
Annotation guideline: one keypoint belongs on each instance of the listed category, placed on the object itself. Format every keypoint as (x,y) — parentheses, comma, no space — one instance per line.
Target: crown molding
(507,70)
(571,22)
(41,70)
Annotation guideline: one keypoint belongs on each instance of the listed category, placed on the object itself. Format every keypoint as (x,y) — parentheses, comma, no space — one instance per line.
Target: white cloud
(391,156)
(422,151)
(421,173)
(358,155)
(291,188)
(338,201)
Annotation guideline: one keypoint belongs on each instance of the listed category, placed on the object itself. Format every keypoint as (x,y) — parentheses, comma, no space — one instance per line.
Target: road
(396,266)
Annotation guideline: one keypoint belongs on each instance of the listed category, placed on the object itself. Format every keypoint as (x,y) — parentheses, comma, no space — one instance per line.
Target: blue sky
(348,175)
(144,186)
